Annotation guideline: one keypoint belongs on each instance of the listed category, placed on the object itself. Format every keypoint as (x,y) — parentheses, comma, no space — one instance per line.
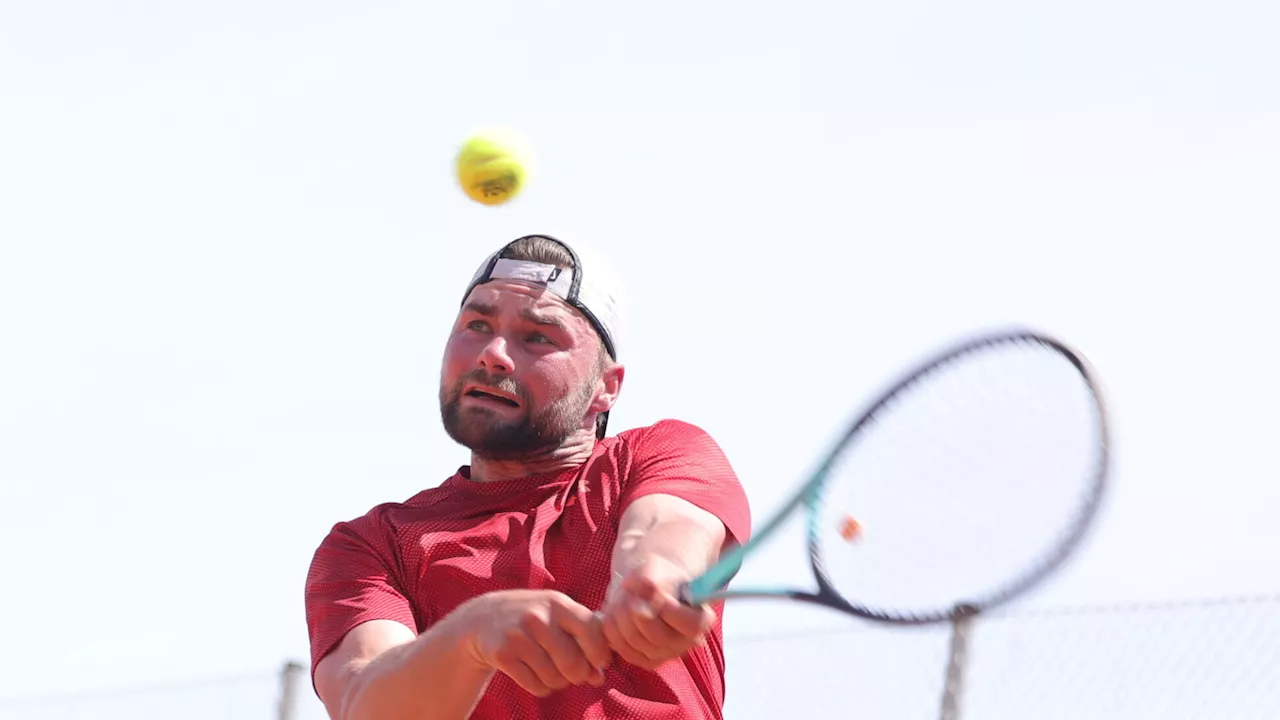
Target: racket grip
(685,594)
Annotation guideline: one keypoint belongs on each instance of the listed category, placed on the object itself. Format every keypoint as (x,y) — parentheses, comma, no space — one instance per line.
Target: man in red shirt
(539,581)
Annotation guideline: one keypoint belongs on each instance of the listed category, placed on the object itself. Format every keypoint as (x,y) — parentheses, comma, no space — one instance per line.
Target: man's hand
(541,639)
(644,621)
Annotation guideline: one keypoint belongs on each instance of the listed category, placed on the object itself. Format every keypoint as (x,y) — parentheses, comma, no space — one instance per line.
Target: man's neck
(569,455)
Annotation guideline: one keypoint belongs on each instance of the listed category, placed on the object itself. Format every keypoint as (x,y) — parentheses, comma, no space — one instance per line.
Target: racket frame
(713,584)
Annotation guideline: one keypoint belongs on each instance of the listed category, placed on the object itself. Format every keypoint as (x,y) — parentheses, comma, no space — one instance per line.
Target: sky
(231,246)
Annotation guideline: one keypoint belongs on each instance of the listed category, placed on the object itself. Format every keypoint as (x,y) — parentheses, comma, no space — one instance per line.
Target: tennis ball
(493,165)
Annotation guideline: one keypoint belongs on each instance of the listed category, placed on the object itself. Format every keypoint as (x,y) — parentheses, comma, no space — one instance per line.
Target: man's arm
(541,639)
(663,541)
(369,661)
(382,670)
(670,528)
(682,505)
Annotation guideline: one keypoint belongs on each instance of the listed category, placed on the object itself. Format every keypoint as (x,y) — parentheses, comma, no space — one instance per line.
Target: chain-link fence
(1208,660)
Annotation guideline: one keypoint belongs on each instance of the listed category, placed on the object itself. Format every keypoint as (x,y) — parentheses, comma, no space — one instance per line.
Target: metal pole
(957,657)
(290,679)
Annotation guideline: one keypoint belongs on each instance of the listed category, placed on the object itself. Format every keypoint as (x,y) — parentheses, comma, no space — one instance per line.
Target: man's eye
(539,338)
(478,326)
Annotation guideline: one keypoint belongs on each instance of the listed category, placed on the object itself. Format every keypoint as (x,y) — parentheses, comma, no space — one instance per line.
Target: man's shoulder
(666,427)
(669,439)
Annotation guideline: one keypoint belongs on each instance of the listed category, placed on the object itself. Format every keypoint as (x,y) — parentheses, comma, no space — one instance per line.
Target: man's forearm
(432,678)
(682,541)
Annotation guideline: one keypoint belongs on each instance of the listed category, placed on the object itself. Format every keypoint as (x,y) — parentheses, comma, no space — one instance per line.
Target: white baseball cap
(589,286)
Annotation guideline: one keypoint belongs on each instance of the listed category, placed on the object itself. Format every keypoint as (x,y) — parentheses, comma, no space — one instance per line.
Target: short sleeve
(352,580)
(677,458)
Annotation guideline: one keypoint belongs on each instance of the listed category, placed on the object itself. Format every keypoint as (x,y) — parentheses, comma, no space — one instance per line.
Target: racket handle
(685,594)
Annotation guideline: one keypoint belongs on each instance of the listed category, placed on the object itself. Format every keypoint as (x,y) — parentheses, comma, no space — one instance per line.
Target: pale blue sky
(230,246)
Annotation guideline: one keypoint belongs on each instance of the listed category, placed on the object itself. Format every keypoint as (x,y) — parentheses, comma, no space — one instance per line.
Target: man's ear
(609,388)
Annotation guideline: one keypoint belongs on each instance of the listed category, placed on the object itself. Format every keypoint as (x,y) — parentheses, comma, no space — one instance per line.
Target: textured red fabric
(414,562)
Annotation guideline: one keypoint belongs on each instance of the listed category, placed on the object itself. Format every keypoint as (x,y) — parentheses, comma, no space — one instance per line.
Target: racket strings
(962,484)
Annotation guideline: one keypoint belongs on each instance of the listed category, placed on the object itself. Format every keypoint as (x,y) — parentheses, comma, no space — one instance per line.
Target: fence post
(957,657)
(290,679)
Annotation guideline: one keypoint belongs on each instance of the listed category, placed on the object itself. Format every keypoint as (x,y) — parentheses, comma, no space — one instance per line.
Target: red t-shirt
(414,562)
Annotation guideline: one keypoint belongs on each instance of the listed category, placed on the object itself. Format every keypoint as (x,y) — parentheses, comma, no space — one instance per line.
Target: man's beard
(534,431)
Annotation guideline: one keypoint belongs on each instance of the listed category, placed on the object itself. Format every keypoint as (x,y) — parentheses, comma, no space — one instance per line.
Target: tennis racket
(964,484)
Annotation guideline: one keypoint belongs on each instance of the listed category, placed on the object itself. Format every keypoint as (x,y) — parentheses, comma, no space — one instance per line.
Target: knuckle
(513,639)
(564,606)
(530,620)
(639,584)
(505,655)
(577,668)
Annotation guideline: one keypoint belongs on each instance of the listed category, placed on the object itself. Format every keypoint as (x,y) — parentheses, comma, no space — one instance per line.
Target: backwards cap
(589,286)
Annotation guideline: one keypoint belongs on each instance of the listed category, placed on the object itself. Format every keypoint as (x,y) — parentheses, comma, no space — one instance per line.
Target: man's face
(521,372)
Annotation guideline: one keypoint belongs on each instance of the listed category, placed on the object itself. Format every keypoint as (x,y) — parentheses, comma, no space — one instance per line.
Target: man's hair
(539,249)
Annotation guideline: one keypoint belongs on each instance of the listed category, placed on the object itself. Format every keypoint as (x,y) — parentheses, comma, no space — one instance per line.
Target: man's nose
(495,357)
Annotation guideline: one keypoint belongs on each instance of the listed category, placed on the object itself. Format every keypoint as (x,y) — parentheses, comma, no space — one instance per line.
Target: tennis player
(538,581)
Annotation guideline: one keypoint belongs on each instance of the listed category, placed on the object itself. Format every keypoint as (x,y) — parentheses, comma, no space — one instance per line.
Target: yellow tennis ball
(493,166)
